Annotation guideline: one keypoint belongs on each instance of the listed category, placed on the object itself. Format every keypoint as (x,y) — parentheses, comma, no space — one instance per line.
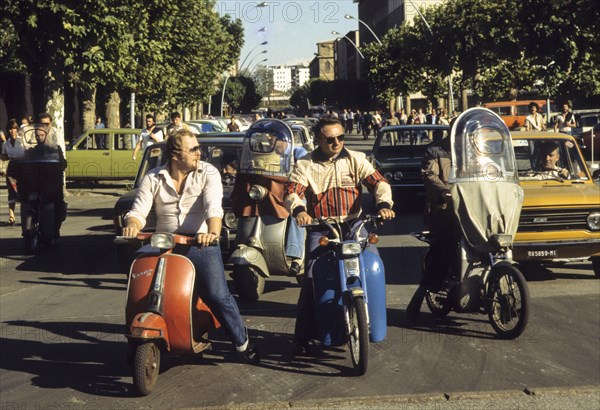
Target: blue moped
(349,289)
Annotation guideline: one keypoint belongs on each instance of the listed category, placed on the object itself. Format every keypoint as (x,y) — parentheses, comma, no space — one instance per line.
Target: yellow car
(560,219)
(103,154)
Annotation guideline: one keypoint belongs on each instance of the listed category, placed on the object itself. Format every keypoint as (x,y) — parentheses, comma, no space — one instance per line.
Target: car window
(530,158)
(207,127)
(124,141)
(502,110)
(91,142)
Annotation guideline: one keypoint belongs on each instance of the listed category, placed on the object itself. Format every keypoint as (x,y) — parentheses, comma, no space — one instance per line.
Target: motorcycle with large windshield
(486,201)
(39,176)
(349,288)
(264,244)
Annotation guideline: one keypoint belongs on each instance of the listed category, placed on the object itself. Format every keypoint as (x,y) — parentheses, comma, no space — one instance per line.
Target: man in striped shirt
(330,180)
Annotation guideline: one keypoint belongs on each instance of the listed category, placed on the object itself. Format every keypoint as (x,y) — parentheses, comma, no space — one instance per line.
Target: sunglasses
(192,151)
(331,140)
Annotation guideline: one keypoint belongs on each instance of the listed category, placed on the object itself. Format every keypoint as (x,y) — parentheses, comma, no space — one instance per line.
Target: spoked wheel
(507,301)
(359,335)
(32,236)
(146,366)
(249,284)
(438,303)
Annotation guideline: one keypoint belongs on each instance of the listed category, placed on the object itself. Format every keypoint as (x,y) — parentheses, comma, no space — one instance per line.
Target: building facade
(323,65)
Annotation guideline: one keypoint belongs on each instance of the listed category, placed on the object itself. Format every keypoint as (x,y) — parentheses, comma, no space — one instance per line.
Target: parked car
(205,125)
(513,113)
(560,219)
(216,148)
(399,162)
(103,154)
(303,136)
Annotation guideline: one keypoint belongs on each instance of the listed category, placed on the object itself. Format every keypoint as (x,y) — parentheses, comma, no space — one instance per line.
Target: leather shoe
(296,268)
(302,349)
(250,355)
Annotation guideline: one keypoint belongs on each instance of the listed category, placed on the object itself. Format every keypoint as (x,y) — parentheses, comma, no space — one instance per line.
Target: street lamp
(264,43)
(450,93)
(348,16)
(253,58)
(335,33)
(256,65)
(223,93)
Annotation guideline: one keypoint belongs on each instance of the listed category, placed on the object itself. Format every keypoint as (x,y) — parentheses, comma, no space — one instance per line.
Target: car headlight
(230,220)
(388,175)
(593,221)
(351,248)
(398,175)
(257,192)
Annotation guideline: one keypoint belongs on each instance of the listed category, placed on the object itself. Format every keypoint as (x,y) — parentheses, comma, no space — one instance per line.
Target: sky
(291,28)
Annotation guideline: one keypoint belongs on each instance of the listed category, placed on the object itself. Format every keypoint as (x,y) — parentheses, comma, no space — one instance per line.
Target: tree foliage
(495,49)
(169,53)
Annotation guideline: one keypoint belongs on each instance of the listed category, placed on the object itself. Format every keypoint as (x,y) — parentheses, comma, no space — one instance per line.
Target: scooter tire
(249,284)
(358,335)
(438,304)
(596,266)
(32,236)
(507,301)
(146,367)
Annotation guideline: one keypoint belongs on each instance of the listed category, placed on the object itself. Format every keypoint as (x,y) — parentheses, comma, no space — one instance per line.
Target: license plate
(542,253)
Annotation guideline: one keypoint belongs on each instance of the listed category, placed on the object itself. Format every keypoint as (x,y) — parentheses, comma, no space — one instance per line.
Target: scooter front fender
(247,255)
(149,326)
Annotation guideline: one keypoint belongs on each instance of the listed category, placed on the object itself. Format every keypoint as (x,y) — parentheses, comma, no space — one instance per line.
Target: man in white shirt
(565,121)
(186,194)
(149,136)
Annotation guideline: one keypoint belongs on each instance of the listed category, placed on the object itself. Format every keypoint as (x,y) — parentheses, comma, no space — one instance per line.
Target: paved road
(62,343)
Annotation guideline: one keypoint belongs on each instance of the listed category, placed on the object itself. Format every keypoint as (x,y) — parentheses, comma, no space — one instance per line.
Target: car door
(122,144)
(86,159)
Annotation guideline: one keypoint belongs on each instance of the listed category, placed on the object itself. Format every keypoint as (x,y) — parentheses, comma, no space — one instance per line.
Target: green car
(101,154)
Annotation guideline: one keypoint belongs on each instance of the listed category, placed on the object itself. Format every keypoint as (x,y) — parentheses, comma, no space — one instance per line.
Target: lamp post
(253,58)
(450,92)
(546,67)
(348,16)
(256,65)
(223,94)
(264,43)
(335,33)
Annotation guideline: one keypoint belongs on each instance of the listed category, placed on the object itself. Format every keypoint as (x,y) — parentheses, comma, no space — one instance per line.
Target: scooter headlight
(351,248)
(593,221)
(230,220)
(257,192)
(162,241)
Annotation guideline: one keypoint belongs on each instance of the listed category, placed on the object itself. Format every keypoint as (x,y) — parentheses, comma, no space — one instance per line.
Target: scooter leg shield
(375,277)
(247,255)
(149,326)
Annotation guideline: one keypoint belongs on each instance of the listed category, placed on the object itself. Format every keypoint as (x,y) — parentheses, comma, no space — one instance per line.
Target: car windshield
(224,157)
(542,159)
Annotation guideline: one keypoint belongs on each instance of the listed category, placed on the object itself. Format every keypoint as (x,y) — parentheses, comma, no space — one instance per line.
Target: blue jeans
(212,287)
(294,246)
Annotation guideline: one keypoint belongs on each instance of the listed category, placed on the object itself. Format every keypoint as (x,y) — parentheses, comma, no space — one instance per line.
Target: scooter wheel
(438,303)
(249,284)
(146,367)
(507,301)
(358,335)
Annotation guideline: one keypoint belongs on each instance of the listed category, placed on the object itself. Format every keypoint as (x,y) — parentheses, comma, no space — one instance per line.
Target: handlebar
(329,223)
(144,236)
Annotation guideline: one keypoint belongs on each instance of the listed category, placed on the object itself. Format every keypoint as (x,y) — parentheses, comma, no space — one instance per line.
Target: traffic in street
(63,320)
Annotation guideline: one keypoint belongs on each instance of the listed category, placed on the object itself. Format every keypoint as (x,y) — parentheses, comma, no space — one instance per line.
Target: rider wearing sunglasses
(330,180)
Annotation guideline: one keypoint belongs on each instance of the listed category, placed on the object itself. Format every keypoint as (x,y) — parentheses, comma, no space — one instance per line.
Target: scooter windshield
(267,150)
(481,148)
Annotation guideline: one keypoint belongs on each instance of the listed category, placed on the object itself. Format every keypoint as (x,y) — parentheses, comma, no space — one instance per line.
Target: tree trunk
(464,99)
(88,103)
(113,115)
(54,93)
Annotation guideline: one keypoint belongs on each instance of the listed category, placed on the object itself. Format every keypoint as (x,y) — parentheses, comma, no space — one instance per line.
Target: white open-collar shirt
(201,198)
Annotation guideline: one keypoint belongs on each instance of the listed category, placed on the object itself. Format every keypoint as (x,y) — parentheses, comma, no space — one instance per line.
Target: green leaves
(170,53)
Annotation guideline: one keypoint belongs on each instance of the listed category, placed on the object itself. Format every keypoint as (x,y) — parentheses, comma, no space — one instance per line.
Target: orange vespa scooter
(163,312)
